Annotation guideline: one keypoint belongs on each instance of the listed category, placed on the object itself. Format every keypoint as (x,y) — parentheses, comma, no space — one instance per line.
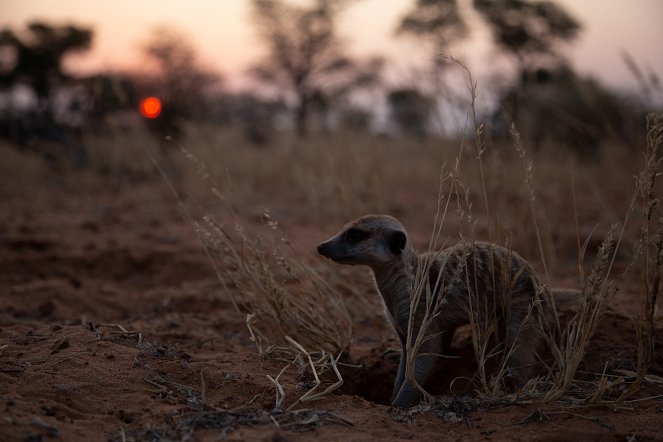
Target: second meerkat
(461,274)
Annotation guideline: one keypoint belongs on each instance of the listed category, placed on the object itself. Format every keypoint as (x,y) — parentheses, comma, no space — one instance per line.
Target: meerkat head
(372,240)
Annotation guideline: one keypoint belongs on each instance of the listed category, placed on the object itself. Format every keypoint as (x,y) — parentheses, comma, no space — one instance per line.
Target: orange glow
(150,107)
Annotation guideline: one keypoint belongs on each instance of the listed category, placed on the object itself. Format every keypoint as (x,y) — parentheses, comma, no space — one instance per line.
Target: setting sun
(150,107)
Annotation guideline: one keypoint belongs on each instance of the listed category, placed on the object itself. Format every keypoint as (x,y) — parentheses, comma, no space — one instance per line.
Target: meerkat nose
(323,249)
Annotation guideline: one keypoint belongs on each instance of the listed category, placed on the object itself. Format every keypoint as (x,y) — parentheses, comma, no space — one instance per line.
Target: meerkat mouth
(347,260)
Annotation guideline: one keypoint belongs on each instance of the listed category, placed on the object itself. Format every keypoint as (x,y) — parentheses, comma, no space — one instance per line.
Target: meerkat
(462,275)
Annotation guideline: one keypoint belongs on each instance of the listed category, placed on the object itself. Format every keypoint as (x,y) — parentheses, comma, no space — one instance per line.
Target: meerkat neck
(394,281)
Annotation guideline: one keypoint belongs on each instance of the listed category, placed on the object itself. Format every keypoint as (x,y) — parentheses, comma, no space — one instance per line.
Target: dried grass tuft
(596,294)
(652,242)
(281,295)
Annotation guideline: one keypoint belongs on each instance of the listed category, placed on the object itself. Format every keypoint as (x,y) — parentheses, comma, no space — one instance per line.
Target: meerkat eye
(354,236)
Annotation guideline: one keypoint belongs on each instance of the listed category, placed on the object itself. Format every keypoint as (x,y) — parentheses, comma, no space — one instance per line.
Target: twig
(203,388)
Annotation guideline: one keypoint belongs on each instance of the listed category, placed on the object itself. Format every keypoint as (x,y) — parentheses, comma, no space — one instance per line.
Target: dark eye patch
(354,236)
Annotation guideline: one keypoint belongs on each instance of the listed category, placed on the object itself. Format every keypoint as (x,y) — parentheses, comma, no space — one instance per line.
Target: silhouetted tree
(528,29)
(410,110)
(530,32)
(34,58)
(437,20)
(305,54)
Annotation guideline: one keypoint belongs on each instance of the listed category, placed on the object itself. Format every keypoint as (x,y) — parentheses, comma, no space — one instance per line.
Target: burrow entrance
(372,369)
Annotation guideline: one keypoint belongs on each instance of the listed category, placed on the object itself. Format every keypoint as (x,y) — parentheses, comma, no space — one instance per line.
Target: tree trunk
(301,118)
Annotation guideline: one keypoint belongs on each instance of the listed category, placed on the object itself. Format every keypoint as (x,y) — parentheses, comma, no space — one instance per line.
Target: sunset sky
(225,39)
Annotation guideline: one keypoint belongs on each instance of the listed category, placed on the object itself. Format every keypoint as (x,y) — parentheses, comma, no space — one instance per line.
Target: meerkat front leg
(400,376)
(409,395)
(426,363)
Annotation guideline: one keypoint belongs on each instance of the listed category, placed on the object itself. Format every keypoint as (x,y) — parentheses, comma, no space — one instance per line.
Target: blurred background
(94,86)
(575,75)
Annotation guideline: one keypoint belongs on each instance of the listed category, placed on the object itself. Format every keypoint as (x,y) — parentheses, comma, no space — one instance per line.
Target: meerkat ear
(397,242)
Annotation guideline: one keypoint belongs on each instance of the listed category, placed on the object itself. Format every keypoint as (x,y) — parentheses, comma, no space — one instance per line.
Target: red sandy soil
(113,325)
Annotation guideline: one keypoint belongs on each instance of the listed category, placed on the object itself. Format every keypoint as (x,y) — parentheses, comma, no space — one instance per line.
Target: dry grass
(652,257)
(651,251)
(280,294)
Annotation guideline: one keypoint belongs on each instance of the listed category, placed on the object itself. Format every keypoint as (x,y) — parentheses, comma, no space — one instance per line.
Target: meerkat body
(480,279)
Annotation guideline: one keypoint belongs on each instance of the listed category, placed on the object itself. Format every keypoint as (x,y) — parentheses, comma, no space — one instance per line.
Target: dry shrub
(291,312)
(596,294)
(281,295)
(599,288)
(651,250)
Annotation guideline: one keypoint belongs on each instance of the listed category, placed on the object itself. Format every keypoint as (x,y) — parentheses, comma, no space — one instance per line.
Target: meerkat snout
(337,250)
(324,249)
